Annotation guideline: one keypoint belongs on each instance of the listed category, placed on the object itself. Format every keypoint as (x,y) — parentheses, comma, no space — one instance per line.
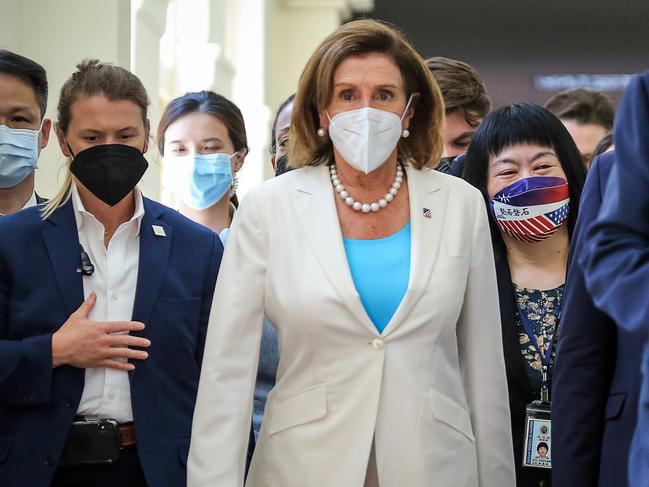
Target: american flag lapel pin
(427,213)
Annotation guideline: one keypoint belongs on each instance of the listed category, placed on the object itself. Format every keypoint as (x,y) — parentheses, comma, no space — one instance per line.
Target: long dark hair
(524,123)
(208,102)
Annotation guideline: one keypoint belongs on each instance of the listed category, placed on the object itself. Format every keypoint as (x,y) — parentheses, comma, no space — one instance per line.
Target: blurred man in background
(466,101)
(24,130)
(587,114)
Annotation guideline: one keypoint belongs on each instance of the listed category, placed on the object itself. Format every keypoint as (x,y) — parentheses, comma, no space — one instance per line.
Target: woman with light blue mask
(202,140)
(203,143)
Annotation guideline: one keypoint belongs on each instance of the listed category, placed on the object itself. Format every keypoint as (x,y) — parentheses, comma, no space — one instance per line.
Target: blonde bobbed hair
(424,146)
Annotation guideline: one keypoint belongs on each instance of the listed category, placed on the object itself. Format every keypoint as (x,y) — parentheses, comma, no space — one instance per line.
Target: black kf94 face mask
(109,171)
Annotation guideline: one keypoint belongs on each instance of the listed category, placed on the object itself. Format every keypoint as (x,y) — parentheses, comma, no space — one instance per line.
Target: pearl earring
(321,132)
(405,133)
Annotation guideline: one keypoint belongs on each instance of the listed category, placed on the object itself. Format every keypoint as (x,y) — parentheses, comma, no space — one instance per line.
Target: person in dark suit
(587,114)
(616,262)
(517,151)
(24,130)
(596,375)
(452,165)
(105,298)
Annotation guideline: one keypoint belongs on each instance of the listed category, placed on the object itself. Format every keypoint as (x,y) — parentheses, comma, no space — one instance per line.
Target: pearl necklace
(366,207)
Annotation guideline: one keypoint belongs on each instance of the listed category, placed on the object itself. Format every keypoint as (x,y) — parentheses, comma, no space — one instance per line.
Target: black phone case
(91,443)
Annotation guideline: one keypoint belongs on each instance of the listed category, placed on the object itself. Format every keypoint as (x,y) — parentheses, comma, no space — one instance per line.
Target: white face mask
(366,137)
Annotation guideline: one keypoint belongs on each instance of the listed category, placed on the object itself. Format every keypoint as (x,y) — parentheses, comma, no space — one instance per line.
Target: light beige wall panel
(58,34)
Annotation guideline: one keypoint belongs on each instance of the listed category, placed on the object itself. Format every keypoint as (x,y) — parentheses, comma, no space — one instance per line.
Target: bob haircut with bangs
(422,148)
(524,123)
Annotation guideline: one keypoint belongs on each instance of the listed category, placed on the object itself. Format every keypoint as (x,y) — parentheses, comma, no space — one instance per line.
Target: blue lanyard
(546,360)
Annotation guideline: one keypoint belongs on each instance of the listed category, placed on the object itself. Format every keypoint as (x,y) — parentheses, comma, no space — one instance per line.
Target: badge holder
(537,451)
(538,430)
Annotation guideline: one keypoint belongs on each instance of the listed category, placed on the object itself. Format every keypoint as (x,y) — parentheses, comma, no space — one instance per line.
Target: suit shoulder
(456,185)
(603,163)
(180,223)
(281,186)
(29,219)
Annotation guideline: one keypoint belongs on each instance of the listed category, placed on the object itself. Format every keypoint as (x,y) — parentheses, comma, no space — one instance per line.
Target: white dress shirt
(223,235)
(106,392)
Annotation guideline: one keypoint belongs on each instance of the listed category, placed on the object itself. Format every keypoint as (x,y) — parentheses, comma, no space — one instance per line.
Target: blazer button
(378,344)
(49,461)
(70,402)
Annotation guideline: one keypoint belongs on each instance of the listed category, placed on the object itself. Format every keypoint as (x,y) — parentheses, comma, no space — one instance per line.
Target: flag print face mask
(532,209)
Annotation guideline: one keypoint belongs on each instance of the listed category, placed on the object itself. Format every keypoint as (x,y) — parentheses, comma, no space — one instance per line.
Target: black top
(521,392)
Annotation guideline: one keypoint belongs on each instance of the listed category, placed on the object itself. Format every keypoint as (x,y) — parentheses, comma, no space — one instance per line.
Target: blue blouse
(380,270)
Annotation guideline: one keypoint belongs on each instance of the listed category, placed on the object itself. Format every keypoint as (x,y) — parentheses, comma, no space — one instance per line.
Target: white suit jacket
(430,391)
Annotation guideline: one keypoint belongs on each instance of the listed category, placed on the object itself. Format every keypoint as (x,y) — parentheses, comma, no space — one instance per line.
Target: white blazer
(430,391)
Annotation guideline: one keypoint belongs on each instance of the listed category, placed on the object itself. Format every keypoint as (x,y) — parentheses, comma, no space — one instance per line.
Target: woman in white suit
(382,287)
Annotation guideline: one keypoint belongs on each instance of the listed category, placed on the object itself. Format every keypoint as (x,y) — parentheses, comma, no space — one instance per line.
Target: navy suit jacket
(616,263)
(40,288)
(596,375)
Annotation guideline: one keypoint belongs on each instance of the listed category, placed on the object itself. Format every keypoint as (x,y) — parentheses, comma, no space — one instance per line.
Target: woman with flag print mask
(202,139)
(531,175)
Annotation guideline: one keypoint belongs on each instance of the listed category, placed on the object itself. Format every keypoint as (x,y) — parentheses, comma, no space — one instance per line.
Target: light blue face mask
(18,155)
(203,179)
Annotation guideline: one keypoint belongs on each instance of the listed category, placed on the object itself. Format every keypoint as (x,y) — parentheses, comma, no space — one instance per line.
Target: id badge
(538,430)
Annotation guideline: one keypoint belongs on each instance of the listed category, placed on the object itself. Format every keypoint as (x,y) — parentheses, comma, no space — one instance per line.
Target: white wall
(294,29)
(58,34)
(252,51)
(147,24)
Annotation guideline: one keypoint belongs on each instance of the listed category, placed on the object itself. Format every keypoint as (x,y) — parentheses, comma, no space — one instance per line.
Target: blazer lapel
(511,345)
(316,210)
(62,242)
(427,217)
(155,245)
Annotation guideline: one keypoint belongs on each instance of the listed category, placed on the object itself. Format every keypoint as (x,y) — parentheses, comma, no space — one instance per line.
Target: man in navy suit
(596,377)
(24,130)
(616,262)
(105,298)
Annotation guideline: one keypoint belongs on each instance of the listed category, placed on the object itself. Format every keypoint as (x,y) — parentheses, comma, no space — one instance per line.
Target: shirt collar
(80,211)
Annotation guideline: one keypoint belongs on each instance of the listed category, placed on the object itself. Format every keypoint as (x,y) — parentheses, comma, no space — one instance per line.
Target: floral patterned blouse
(542,309)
